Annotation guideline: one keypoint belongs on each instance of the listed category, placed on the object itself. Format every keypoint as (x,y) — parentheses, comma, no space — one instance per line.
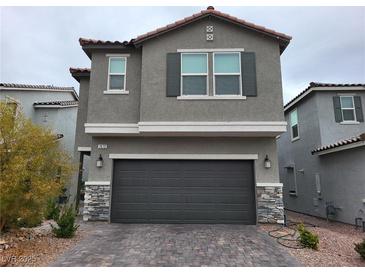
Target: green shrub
(360,248)
(32,221)
(307,238)
(52,210)
(66,227)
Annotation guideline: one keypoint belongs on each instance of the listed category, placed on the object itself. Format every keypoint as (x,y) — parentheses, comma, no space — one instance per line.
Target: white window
(227,73)
(117,73)
(194,74)
(294,125)
(348,108)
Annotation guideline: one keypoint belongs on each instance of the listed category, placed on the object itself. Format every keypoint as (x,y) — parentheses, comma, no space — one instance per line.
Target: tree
(33,168)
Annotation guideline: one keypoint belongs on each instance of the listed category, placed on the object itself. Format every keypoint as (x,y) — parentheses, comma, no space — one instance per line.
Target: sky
(39,44)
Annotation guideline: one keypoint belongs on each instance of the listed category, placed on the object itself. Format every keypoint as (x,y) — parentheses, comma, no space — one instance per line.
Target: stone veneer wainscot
(270,207)
(97,202)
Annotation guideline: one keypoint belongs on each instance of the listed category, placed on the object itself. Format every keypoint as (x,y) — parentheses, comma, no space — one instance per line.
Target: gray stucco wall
(114,108)
(82,139)
(343,182)
(185,145)
(267,106)
(317,127)
(299,154)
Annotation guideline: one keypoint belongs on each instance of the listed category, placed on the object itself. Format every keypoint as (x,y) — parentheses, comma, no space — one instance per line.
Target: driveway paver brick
(175,245)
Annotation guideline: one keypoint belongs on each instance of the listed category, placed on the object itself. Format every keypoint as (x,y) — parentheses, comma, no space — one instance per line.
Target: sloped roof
(314,85)
(78,73)
(340,143)
(210,11)
(38,87)
(57,103)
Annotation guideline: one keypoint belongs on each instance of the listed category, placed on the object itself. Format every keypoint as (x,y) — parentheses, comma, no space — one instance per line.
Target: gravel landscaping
(336,243)
(34,246)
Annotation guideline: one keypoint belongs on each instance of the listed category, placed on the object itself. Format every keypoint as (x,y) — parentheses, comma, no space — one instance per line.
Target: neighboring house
(48,106)
(181,123)
(322,154)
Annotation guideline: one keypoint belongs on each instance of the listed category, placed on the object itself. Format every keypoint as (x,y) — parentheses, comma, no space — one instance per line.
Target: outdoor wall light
(267,162)
(99,161)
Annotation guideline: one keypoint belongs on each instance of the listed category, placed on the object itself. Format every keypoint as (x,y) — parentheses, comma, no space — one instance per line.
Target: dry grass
(336,243)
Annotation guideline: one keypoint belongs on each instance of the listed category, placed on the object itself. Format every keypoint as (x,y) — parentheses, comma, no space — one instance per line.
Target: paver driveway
(175,245)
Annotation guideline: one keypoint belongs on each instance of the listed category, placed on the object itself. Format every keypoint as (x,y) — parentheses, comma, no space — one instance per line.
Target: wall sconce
(99,161)
(267,162)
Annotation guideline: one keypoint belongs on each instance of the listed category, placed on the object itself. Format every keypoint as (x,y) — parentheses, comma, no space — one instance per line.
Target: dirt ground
(336,242)
(34,247)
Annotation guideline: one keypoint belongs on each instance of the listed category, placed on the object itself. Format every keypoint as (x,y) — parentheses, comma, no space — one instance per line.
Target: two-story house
(49,106)
(180,123)
(322,154)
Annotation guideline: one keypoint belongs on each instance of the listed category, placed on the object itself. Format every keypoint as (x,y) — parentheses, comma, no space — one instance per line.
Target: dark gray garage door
(183,191)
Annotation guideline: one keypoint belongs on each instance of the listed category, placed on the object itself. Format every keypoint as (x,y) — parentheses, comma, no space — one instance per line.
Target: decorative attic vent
(209,28)
(210,37)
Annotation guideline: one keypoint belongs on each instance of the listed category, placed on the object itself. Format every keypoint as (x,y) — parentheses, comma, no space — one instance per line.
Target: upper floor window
(294,125)
(348,108)
(194,74)
(117,73)
(227,73)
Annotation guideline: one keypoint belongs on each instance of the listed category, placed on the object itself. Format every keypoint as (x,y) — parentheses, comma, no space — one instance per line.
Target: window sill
(293,194)
(207,97)
(295,139)
(349,123)
(110,92)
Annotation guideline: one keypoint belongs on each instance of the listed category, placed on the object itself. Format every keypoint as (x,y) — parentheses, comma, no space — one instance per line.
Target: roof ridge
(15,85)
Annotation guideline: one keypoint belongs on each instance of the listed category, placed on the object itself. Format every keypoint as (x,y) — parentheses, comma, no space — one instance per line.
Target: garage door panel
(183,191)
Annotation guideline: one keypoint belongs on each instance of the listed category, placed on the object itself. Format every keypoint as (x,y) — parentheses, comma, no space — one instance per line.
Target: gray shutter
(173,74)
(248,70)
(358,109)
(337,109)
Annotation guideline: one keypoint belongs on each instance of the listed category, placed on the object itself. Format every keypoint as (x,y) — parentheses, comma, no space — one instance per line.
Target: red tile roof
(320,85)
(77,73)
(341,143)
(210,11)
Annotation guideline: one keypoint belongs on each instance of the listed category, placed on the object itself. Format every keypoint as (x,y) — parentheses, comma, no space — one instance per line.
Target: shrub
(33,168)
(307,238)
(360,248)
(52,210)
(66,227)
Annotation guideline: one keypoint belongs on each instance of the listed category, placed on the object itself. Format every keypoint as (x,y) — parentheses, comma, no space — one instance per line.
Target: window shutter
(337,109)
(358,109)
(173,74)
(248,70)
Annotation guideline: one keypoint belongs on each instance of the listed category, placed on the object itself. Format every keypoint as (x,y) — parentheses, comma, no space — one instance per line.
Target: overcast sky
(39,44)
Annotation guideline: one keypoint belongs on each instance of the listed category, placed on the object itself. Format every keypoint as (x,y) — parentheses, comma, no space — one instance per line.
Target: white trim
(270,184)
(117,55)
(194,74)
(340,148)
(210,50)
(111,128)
(83,148)
(187,127)
(322,88)
(97,183)
(207,97)
(349,123)
(229,74)
(111,92)
(212,126)
(119,74)
(186,156)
